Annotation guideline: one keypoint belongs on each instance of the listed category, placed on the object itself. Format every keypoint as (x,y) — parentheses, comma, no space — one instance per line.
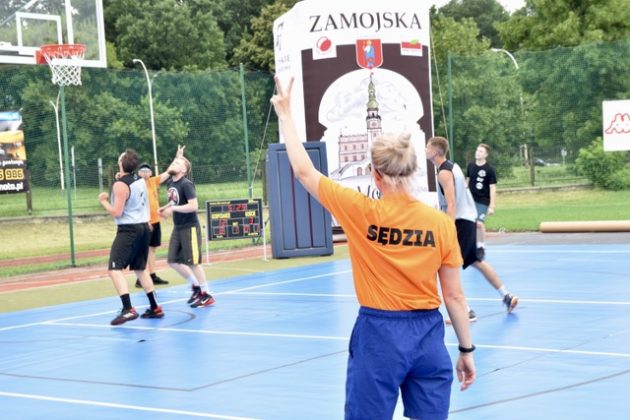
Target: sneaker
(153,313)
(472,317)
(481,253)
(510,301)
(194,296)
(138,284)
(158,280)
(124,316)
(204,299)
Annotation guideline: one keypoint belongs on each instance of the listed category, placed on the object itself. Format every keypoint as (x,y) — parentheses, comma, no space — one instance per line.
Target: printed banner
(12,154)
(361,68)
(616,125)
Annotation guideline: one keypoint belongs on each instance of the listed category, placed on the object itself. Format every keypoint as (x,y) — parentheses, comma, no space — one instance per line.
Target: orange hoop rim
(59,51)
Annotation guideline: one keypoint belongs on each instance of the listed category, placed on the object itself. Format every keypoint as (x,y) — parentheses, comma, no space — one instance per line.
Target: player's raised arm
(300,162)
(180,153)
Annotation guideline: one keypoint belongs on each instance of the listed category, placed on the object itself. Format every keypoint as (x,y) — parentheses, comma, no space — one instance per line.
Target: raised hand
(282,99)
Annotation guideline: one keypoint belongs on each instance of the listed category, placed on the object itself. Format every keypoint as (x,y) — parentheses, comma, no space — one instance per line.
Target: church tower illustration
(355,147)
(374,127)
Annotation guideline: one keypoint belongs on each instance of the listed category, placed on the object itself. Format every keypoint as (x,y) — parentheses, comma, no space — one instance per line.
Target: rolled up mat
(586,226)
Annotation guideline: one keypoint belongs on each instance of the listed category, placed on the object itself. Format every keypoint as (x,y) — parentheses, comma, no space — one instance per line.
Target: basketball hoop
(64,62)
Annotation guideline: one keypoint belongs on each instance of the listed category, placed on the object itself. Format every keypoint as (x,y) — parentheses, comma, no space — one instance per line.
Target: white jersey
(464,203)
(136,209)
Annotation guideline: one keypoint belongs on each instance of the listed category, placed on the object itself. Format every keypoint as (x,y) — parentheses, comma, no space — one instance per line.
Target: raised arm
(302,166)
(180,152)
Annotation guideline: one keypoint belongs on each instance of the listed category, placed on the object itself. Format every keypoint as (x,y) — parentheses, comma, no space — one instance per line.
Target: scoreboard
(234,219)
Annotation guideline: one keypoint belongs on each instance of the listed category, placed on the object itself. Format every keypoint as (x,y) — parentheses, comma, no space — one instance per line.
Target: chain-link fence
(539,107)
(110,112)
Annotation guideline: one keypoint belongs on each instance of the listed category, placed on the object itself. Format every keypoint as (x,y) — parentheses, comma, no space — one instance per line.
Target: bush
(600,166)
(619,180)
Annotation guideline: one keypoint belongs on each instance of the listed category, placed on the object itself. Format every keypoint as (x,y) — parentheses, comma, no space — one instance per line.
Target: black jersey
(481,177)
(179,193)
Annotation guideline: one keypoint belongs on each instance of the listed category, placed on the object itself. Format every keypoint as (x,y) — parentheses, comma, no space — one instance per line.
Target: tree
(545,24)
(256,48)
(566,88)
(167,34)
(486,105)
(234,18)
(485,13)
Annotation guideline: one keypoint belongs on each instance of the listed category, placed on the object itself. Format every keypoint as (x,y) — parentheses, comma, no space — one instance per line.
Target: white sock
(205,288)
(192,280)
(480,244)
(502,291)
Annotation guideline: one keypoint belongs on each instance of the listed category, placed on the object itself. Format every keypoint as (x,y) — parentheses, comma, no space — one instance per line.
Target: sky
(509,5)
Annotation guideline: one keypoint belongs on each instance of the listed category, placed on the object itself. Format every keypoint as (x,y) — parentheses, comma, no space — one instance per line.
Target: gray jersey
(464,203)
(136,208)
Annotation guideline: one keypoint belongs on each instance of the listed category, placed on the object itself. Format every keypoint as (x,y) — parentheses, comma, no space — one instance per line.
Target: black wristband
(466,350)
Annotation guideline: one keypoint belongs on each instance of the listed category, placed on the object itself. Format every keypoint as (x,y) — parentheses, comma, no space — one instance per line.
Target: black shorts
(467,238)
(185,245)
(155,237)
(130,247)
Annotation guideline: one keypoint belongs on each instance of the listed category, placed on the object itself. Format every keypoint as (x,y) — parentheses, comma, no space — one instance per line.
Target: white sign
(616,125)
(360,69)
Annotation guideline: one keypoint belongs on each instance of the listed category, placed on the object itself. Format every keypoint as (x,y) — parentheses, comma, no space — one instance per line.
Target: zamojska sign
(360,69)
(12,154)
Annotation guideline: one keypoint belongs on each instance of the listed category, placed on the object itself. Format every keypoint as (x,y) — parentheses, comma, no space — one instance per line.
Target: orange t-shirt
(153,186)
(397,244)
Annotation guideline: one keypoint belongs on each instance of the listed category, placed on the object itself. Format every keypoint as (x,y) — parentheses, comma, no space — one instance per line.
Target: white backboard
(25,25)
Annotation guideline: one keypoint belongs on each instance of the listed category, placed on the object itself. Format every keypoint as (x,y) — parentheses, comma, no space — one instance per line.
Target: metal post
(74,172)
(246,134)
(451,140)
(67,173)
(100,174)
(149,84)
(56,107)
(530,150)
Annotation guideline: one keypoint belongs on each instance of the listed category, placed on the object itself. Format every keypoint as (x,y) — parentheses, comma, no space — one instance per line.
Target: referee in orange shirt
(398,248)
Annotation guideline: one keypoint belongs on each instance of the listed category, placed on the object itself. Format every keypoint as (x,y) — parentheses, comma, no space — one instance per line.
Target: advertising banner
(12,154)
(360,68)
(616,125)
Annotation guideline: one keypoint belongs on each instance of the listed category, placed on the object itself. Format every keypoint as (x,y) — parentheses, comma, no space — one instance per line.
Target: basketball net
(64,62)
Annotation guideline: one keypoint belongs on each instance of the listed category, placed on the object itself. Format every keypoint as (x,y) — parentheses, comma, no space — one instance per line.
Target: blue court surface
(275,346)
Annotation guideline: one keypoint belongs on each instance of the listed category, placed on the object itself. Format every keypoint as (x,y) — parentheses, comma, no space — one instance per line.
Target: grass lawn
(53,201)
(519,211)
(525,211)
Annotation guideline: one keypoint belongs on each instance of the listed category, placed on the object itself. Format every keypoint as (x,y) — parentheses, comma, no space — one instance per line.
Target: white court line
(554,301)
(125,406)
(337,338)
(334,295)
(297,294)
(546,350)
(212,332)
(559,251)
(285,282)
(13,327)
